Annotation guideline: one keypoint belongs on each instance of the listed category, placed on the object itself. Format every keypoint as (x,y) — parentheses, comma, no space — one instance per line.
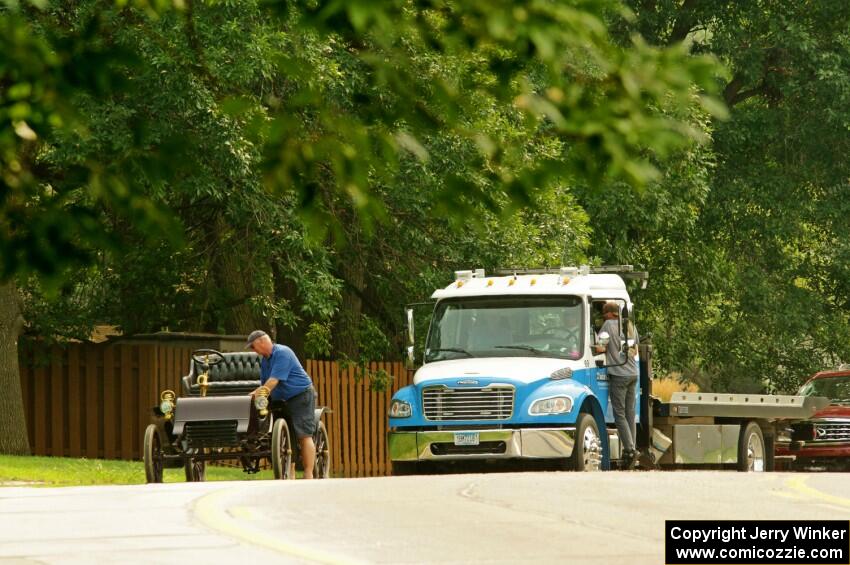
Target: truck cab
(823,442)
(509,372)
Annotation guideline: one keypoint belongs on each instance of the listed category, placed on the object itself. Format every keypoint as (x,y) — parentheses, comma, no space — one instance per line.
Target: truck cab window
(507,326)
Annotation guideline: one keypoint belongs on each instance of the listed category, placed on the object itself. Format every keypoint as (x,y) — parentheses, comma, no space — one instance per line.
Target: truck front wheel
(587,451)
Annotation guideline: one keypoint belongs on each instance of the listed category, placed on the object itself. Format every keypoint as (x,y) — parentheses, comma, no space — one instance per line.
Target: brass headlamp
(167,400)
(261,400)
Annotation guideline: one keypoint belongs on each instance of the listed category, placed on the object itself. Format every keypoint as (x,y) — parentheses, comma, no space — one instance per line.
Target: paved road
(603,518)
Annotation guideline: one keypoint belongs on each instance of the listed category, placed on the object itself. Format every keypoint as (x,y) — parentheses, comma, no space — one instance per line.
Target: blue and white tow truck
(509,373)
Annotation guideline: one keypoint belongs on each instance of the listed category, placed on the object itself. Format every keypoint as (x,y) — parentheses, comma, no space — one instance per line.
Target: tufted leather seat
(239,373)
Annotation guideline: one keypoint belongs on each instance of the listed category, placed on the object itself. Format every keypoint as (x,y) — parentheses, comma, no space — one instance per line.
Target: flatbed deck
(727,405)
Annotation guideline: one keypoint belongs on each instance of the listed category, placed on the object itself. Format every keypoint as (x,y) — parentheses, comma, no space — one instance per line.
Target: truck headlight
(554,405)
(400,409)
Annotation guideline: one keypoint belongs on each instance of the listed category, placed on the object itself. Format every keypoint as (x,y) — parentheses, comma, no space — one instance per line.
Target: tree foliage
(314,166)
(220,166)
(753,291)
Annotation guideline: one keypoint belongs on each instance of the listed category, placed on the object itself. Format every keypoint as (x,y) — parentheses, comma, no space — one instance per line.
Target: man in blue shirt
(287,380)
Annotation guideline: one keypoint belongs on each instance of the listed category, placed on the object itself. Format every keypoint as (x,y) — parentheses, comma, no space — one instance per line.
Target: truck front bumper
(531,443)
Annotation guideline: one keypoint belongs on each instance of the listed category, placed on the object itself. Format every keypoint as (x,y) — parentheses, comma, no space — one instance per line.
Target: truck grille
(832,431)
(212,434)
(448,404)
(483,448)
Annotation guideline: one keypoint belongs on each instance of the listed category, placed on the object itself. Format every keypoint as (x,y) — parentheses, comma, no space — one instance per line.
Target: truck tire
(587,452)
(752,455)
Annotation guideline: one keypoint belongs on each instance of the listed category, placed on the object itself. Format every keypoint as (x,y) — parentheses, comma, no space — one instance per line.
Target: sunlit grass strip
(665,387)
(63,471)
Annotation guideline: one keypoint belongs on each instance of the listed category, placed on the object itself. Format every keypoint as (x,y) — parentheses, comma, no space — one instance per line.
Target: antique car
(216,418)
(822,442)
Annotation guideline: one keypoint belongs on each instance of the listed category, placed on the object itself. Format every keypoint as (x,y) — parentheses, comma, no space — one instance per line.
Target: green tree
(757,295)
(171,146)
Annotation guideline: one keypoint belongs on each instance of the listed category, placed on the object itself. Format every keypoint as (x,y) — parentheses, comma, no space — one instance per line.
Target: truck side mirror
(409,312)
(410,358)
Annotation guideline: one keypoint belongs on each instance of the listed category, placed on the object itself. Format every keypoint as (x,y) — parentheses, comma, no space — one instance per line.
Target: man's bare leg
(308,455)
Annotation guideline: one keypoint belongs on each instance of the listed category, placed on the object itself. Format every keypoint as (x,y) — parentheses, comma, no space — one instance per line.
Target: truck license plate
(466,438)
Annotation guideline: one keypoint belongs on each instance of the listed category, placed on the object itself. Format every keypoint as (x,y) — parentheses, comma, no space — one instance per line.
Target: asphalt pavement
(596,518)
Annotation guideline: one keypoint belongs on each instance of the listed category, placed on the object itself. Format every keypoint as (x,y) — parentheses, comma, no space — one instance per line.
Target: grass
(63,471)
(665,387)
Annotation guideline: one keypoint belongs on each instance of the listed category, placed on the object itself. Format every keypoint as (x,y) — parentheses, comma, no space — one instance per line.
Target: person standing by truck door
(622,380)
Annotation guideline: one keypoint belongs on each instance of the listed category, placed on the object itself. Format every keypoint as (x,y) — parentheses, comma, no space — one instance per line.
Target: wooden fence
(87,400)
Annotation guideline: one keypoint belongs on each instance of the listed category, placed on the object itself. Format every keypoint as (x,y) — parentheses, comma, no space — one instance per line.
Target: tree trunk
(285,289)
(347,327)
(13,440)
(232,280)
(236,283)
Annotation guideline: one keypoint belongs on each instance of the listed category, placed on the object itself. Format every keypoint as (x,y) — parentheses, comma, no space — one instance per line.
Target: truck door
(602,378)
(599,375)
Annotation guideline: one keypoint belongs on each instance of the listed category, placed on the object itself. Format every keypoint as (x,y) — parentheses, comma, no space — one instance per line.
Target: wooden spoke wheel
(322,468)
(153,455)
(196,471)
(281,450)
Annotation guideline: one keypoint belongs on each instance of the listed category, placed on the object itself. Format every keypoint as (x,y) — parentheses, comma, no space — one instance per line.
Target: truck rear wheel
(587,452)
(752,455)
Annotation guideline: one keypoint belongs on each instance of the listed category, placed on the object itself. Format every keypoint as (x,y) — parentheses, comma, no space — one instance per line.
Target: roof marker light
(490,282)
(565,280)
(533,282)
(459,284)
(511,282)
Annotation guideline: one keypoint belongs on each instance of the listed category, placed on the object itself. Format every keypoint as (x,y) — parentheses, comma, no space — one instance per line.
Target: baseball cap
(253,336)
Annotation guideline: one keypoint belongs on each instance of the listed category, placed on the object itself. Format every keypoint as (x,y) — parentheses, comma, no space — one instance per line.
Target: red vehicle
(822,442)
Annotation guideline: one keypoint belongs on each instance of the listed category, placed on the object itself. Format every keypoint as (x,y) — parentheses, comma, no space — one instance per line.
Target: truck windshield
(507,326)
(836,389)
